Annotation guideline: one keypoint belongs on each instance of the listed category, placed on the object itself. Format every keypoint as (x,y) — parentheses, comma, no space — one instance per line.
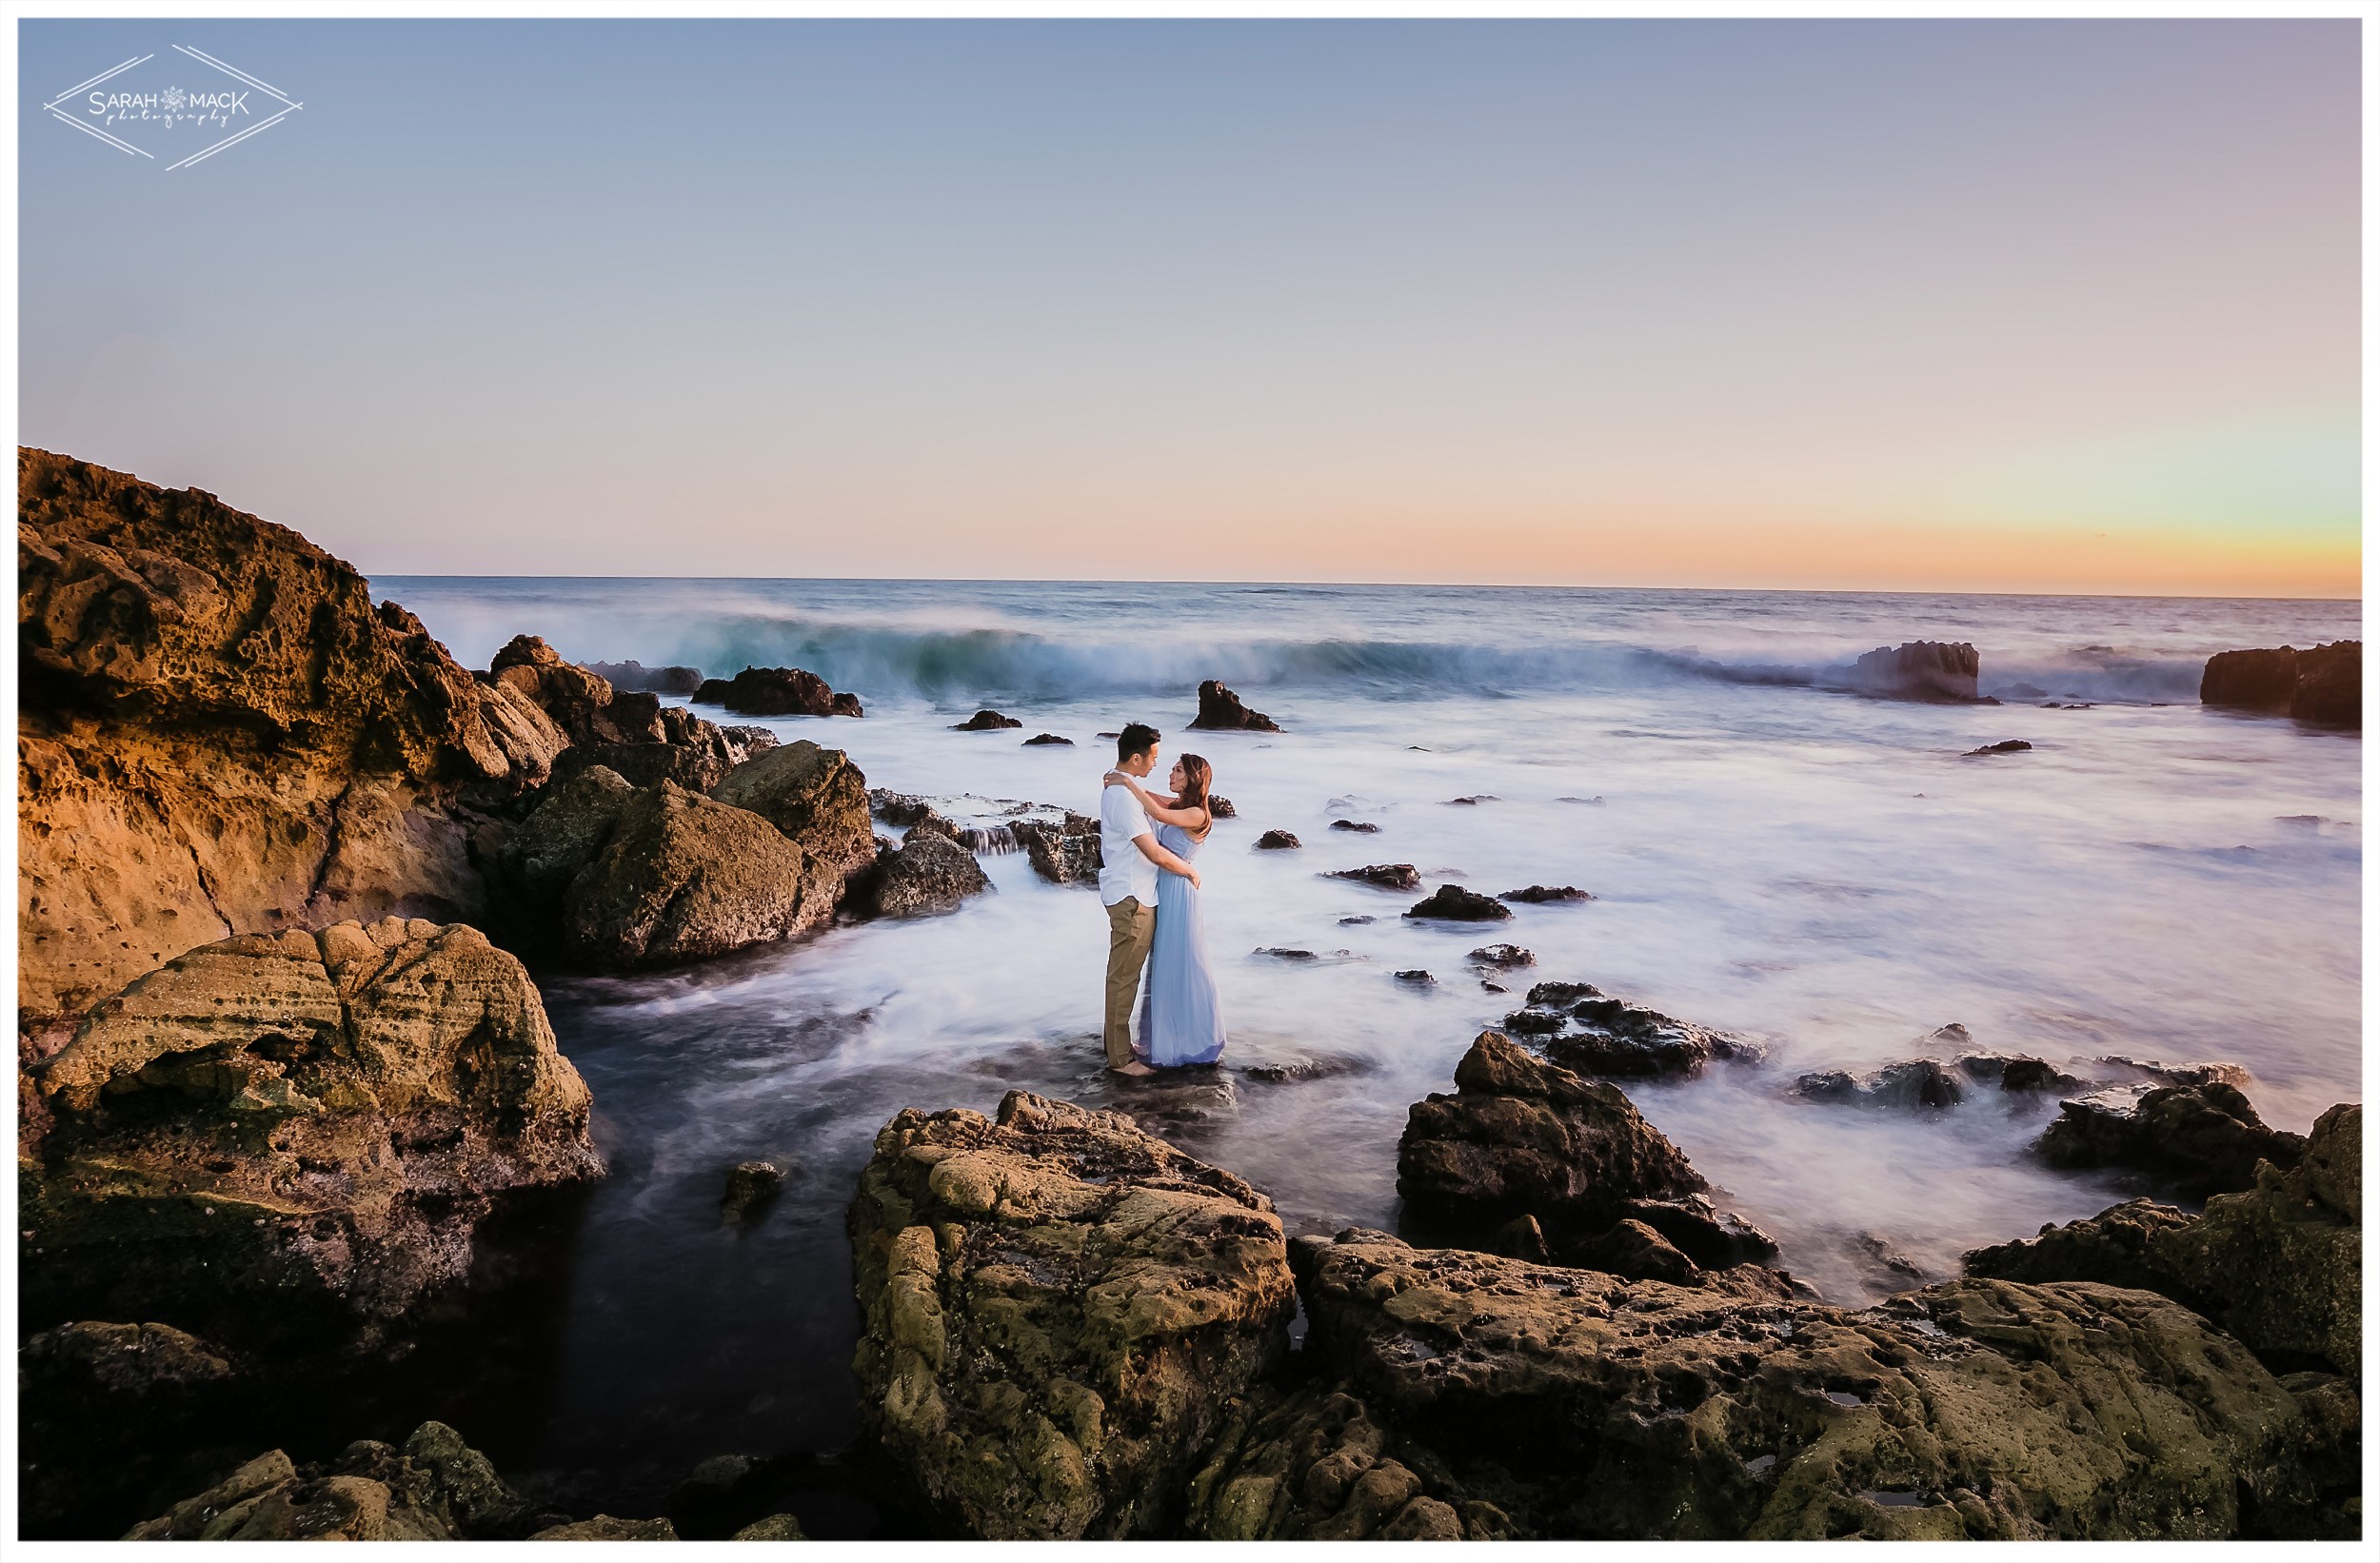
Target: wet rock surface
(1222,710)
(2323,684)
(1595,1033)
(1920,670)
(1277,841)
(1048,741)
(1452,903)
(1058,1307)
(929,872)
(750,1187)
(2195,1140)
(684,877)
(1503,957)
(2011,745)
(1384,876)
(435,1487)
(317,1122)
(815,796)
(778,692)
(1064,851)
(1540,894)
(985,720)
(1465,1394)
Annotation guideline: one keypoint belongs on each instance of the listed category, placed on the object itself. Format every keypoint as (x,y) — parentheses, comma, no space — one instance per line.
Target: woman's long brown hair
(1196,777)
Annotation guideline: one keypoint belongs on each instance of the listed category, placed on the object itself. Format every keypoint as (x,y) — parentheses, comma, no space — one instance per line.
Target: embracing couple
(1146,842)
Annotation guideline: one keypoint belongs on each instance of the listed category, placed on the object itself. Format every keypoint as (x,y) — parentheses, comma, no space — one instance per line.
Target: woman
(1181,1018)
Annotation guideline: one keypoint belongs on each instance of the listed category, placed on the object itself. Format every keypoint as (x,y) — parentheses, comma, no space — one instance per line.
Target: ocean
(1833,874)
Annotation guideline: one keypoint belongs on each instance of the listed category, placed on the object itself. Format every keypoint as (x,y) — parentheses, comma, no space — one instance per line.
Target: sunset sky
(2058,307)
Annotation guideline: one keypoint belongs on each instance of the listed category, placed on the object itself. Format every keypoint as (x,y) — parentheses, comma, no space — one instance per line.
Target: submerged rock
(1362,826)
(637,678)
(1465,1394)
(1058,1309)
(1595,1032)
(1919,1082)
(315,1122)
(1220,709)
(1277,841)
(2199,1139)
(930,873)
(1924,670)
(2323,684)
(436,1488)
(1452,903)
(1386,875)
(985,720)
(2011,745)
(778,692)
(1538,895)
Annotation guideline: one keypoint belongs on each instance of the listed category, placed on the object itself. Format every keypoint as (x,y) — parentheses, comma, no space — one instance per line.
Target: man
(1128,857)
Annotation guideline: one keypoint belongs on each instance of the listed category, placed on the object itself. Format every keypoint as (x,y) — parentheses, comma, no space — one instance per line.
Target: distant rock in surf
(1419,979)
(1594,1033)
(1277,841)
(2322,685)
(1922,670)
(1476,798)
(2007,745)
(1361,827)
(1387,876)
(1452,903)
(1503,957)
(1222,807)
(637,678)
(1048,741)
(1219,710)
(985,720)
(778,692)
(1537,895)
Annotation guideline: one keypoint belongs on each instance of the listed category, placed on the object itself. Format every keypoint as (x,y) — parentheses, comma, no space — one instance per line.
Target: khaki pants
(1130,928)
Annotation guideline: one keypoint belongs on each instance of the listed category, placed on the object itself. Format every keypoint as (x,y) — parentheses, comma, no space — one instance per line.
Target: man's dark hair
(1137,737)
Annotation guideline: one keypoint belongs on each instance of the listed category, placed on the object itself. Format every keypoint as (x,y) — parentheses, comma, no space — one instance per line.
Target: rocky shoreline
(281,1067)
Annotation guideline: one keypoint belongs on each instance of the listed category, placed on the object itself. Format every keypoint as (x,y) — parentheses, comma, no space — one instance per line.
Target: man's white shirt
(1124,869)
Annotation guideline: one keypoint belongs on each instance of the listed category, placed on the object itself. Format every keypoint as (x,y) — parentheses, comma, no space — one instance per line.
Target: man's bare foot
(1135,1068)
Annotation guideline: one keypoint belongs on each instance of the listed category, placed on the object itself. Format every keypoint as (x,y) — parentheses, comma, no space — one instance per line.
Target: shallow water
(1830,873)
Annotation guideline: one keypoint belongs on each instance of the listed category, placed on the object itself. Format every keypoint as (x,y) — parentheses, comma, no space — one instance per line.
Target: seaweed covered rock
(815,796)
(1461,1394)
(928,873)
(778,692)
(218,734)
(436,1488)
(2199,1139)
(319,1120)
(1058,1306)
(2279,1265)
(683,878)
(1594,1033)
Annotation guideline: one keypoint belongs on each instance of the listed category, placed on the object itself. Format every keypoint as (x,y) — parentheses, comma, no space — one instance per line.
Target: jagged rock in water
(1221,808)
(2323,684)
(930,873)
(778,692)
(1058,1307)
(1918,1082)
(683,877)
(2016,1071)
(986,721)
(316,1122)
(750,1186)
(2279,1265)
(2154,1072)
(1503,957)
(636,677)
(2011,745)
(1063,852)
(1418,977)
(1277,841)
(751,740)
(815,796)
(218,734)
(1220,709)
(1452,903)
(436,1488)
(1538,895)
(1048,741)
(1923,670)
(1362,826)
(1594,1033)
(1386,875)
(1461,1393)
(2199,1139)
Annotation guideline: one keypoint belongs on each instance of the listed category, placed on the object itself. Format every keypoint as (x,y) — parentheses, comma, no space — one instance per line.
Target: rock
(684,877)
(816,797)
(1065,852)
(136,1361)
(2011,745)
(986,721)
(1220,709)
(605,1528)
(1277,841)
(1524,1401)
(2322,685)
(750,1186)
(930,873)
(435,1489)
(1536,895)
(1362,826)
(1476,798)
(1452,903)
(1924,670)
(2178,1074)
(774,1528)
(1420,978)
(567,830)
(1503,957)
(111,1414)
(1221,808)
(1386,875)
(2278,1265)
(1919,1082)
(218,734)
(1355,923)
(1280,954)
(2199,1139)
(1058,1309)
(1521,1137)
(749,741)
(314,1121)
(578,701)
(907,809)
(1048,741)
(777,692)
(2015,1071)
(1615,1036)
(637,678)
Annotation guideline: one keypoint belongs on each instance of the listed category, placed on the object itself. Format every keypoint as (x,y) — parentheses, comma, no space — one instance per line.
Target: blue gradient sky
(2007,306)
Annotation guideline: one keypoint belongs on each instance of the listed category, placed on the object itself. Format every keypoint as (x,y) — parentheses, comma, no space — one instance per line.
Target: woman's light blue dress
(1181,1018)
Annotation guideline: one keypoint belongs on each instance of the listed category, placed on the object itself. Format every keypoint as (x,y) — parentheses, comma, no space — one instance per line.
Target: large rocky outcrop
(436,1488)
(1921,670)
(1462,1394)
(815,796)
(628,732)
(316,1122)
(1058,1307)
(778,692)
(2323,684)
(2197,1139)
(2279,1265)
(218,734)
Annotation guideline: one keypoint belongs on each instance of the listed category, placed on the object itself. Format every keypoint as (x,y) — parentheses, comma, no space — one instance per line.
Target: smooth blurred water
(1831,873)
